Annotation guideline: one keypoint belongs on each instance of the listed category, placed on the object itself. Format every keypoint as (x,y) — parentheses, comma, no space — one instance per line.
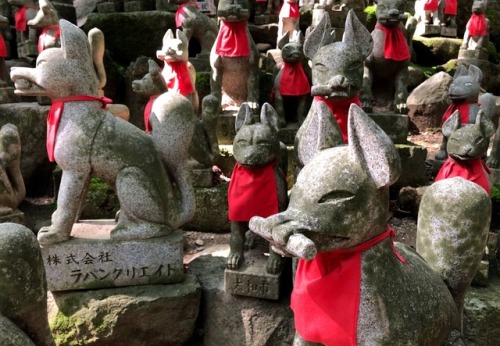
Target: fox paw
(402,108)
(48,235)
(234,260)
(274,263)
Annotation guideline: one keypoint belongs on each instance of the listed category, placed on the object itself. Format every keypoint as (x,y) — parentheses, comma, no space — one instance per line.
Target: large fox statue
(353,285)
(86,141)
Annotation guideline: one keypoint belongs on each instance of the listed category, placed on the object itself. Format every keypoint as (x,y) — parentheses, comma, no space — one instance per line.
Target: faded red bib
(180,14)
(252,192)
(474,170)
(3,47)
(431,5)
(326,294)
(43,34)
(463,109)
(395,46)
(289,10)
(55,113)
(232,40)
(477,25)
(293,79)
(340,110)
(450,7)
(177,78)
(21,19)
(147,112)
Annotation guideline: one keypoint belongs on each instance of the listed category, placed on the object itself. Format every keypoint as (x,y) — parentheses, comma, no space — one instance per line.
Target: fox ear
(283,40)
(153,67)
(476,73)
(460,72)
(74,42)
(169,35)
(244,117)
(357,34)
(320,132)
(269,117)
(181,36)
(318,37)
(451,124)
(370,145)
(485,125)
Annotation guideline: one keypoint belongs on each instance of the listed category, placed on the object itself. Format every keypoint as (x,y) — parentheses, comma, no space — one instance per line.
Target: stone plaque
(91,260)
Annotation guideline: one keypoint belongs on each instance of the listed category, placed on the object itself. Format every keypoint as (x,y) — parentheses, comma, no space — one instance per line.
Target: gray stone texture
(428,101)
(413,171)
(90,260)
(23,290)
(152,314)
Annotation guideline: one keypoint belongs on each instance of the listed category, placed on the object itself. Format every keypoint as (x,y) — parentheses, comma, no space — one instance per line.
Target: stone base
(211,210)
(427,30)
(27,49)
(413,169)
(225,130)
(9,215)
(202,177)
(132,316)
(495,176)
(7,95)
(479,54)
(447,31)
(133,6)
(287,134)
(396,126)
(252,279)
(91,260)
(262,19)
(110,7)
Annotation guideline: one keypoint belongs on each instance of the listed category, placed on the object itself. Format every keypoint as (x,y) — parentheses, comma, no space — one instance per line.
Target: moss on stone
(101,202)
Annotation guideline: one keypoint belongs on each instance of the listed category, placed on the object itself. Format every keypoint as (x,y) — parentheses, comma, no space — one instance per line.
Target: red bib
(395,46)
(252,192)
(177,77)
(179,14)
(431,5)
(147,112)
(463,109)
(55,113)
(293,79)
(326,294)
(477,25)
(3,47)
(474,170)
(450,7)
(340,110)
(20,17)
(43,34)
(232,39)
(289,10)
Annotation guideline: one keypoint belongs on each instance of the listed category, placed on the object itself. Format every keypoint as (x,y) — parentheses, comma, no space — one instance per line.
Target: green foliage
(101,202)
(495,193)
(428,71)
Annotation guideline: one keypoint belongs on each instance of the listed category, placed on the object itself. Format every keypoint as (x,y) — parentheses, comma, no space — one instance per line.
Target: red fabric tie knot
(232,40)
(293,81)
(326,293)
(340,110)
(395,46)
(180,13)
(55,113)
(177,78)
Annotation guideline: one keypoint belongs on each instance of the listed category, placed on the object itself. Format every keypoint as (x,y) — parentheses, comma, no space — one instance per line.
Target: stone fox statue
(353,286)
(47,21)
(12,189)
(87,141)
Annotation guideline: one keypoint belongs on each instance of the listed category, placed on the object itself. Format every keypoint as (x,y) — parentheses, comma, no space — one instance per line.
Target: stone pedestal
(413,169)
(165,5)
(202,177)
(9,215)
(211,210)
(225,130)
(396,126)
(27,49)
(448,31)
(479,54)
(91,260)
(427,30)
(110,6)
(262,19)
(201,63)
(495,176)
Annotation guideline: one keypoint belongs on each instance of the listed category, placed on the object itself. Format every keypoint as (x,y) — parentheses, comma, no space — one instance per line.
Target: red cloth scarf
(326,294)
(41,38)
(450,7)
(20,18)
(55,113)
(293,79)
(477,25)
(147,112)
(289,10)
(462,107)
(474,170)
(252,192)
(179,14)
(340,110)
(431,5)
(177,77)
(232,39)
(395,46)
(3,48)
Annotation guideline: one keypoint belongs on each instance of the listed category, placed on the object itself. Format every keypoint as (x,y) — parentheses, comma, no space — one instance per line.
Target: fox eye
(336,196)
(468,84)
(478,140)
(40,62)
